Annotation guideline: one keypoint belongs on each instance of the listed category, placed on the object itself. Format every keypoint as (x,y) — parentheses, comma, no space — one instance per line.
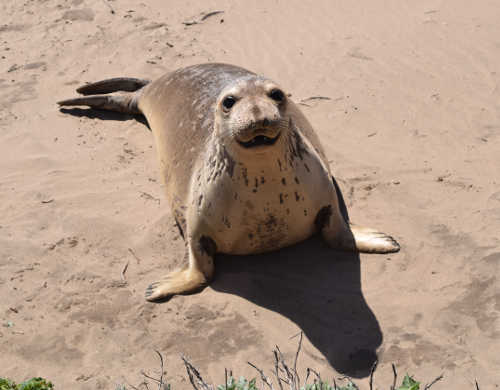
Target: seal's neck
(277,162)
(269,159)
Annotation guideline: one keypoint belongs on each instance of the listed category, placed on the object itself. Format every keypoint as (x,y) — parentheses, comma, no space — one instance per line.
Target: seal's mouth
(259,140)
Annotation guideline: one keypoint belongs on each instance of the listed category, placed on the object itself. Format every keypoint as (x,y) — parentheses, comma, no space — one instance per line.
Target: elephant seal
(243,169)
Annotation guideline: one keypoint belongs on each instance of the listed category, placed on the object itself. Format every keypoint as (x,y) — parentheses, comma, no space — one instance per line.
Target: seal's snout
(263,132)
(264,125)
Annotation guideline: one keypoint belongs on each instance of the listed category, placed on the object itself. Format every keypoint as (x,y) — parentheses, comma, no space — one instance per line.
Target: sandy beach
(411,128)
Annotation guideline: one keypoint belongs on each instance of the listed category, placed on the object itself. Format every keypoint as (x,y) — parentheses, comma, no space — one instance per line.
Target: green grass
(32,384)
(408,383)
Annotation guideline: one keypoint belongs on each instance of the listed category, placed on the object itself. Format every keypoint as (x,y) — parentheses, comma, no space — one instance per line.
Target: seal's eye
(228,102)
(277,95)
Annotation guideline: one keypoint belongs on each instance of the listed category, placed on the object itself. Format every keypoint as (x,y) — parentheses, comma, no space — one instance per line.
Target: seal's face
(251,115)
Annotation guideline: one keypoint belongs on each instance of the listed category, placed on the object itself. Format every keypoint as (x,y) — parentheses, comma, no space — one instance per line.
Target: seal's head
(251,116)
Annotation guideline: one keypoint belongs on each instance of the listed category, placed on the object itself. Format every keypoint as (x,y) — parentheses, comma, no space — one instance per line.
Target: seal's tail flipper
(127,84)
(126,102)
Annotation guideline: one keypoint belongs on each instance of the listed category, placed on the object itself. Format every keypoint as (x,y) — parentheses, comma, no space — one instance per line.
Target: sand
(412,134)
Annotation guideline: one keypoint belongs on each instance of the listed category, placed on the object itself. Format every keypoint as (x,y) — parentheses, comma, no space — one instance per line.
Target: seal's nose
(264,113)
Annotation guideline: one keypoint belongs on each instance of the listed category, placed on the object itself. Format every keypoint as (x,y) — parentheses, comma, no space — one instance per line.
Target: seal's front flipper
(340,234)
(126,102)
(191,279)
(126,84)
(184,281)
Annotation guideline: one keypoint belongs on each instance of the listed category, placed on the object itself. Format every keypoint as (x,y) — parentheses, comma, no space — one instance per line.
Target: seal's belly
(271,212)
(260,229)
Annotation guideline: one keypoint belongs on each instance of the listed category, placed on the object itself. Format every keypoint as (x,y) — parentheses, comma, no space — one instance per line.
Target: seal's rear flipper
(369,240)
(126,102)
(126,84)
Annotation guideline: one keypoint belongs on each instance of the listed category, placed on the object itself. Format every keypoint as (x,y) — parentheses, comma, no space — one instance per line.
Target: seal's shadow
(104,115)
(317,288)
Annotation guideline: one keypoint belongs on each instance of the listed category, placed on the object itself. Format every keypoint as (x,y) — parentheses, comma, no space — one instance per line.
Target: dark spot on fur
(245,175)
(297,196)
(297,180)
(279,163)
(323,217)
(288,211)
(256,182)
(219,163)
(225,221)
(200,199)
(283,181)
(250,236)
(271,222)
(281,198)
(262,180)
(307,168)
(228,162)
(235,195)
(298,147)
(254,190)
(305,212)
(207,245)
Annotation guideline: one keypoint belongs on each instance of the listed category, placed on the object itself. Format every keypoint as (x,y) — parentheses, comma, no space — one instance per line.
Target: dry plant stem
(149,377)
(132,386)
(318,377)
(434,381)
(194,374)
(297,378)
(159,381)
(264,378)
(125,270)
(315,98)
(213,13)
(308,372)
(374,367)
(276,369)
(135,256)
(395,377)
(290,377)
(160,385)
